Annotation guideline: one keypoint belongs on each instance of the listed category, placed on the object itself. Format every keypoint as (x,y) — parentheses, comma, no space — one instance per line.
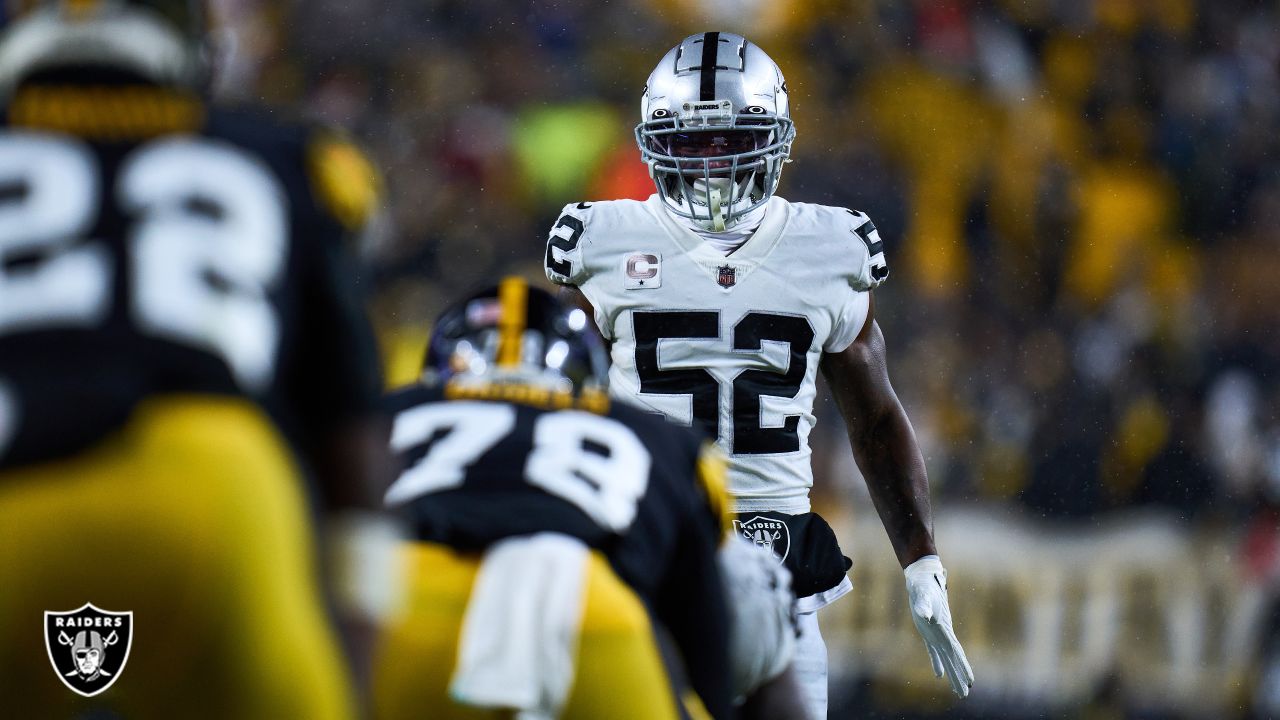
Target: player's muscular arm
(884,444)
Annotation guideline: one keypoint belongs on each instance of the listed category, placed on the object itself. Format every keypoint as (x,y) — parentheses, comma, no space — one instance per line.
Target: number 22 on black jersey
(205,228)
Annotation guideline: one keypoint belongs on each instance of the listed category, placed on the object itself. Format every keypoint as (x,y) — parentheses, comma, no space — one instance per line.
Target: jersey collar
(745,259)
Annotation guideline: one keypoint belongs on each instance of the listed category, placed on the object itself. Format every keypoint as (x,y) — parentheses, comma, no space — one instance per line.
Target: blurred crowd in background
(1080,201)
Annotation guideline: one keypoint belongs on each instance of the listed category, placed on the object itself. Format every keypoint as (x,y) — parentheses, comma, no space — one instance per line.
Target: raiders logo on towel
(766,532)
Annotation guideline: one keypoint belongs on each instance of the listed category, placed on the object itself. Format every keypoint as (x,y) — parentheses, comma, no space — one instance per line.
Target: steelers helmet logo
(88,647)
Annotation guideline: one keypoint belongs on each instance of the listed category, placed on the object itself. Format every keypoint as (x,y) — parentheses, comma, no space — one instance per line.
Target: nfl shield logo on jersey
(766,532)
(88,647)
(726,276)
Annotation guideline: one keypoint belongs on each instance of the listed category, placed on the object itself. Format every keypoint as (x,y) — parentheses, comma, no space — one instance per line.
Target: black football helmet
(158,41)
(516,333)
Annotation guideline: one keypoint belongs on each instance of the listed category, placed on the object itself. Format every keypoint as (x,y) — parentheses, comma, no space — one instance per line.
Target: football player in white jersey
(722,301)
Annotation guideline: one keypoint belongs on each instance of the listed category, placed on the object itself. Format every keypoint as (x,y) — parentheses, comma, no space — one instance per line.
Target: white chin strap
(715,195)
(716,206)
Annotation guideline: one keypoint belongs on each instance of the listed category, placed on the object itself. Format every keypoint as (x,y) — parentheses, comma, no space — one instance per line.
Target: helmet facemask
(715,169)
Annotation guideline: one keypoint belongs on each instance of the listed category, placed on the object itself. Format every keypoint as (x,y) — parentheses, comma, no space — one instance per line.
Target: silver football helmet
(715,128)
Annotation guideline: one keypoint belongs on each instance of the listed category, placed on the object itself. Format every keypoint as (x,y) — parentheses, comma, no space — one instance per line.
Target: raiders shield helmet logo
(88,647)
(766,532)
(726,276)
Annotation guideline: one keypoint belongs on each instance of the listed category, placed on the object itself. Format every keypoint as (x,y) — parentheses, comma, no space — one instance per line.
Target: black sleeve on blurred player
(337,374)
(340,369)
(334,377)
(693,607)
(691,604)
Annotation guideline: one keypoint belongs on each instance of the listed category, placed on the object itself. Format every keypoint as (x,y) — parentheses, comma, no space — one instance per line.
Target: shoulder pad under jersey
(870,268)
(564,263)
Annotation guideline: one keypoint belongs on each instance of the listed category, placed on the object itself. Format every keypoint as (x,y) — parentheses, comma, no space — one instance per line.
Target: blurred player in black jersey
(181,348)
(553,529)
(557,531)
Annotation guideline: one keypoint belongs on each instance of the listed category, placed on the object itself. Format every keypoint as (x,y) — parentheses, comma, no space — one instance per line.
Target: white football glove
(927,593)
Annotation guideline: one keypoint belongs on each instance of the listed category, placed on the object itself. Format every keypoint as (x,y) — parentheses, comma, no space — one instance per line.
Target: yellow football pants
(620,675)
(193,517)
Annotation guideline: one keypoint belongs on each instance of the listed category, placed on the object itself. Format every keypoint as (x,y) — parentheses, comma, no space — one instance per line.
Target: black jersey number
(564,268)
(595,463)
(749,334)
(206,240)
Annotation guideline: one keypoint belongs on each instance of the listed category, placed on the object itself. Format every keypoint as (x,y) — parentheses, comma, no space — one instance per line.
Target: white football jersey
(731,342)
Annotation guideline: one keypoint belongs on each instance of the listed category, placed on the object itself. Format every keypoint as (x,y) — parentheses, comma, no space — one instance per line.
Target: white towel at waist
(520,635)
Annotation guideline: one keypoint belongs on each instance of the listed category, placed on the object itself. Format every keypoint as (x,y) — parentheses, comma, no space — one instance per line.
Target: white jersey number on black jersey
(591,461)
(208,238)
